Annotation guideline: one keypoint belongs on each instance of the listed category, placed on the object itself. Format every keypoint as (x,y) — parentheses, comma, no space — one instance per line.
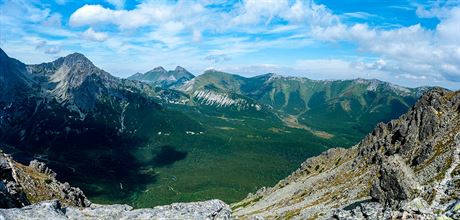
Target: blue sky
(412,43)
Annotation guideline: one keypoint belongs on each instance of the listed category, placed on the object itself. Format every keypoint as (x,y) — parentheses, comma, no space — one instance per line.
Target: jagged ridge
(160,77)
(406,167)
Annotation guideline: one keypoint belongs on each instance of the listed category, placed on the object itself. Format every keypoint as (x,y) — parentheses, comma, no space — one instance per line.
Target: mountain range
(299,102)
(135,140)
(405,169)
(159,77)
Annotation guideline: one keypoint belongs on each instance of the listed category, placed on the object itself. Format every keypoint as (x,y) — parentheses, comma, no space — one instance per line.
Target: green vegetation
(138,149)
(226,159)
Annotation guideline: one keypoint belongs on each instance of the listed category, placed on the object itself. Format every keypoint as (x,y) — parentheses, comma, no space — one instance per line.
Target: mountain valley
(144,142)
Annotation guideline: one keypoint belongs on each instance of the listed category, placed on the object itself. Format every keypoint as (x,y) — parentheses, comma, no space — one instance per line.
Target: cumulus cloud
(412,50)
(252,12)
(248,12)
(144,15)
(92,35)
(209,32)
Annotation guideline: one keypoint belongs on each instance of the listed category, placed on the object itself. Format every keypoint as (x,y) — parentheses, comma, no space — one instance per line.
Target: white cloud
(144,15)
(245,15)
(92,35)
(189,33)
(256,11)
(310,12)
(92,14)
(119,4)
(359,14)
(411,50)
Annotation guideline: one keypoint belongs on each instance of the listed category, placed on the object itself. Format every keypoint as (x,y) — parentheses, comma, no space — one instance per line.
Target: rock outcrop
(407,168)
(22,185)
(213,209)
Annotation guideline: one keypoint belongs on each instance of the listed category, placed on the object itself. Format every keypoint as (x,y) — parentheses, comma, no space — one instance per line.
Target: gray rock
(43,210)
(212,209)
(418,205)
(41,167)
(396,183)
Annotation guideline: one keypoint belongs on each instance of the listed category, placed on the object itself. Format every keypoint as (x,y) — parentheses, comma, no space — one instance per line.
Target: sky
(411,43)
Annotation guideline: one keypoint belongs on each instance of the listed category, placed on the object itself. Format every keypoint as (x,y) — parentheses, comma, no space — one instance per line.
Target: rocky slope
(22,185)
(77,117)
(407,168)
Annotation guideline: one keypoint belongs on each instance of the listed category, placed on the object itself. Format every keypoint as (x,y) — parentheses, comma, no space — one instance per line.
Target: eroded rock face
(407,168)
(212,209)
(22,185)
(11,194)
(397,182)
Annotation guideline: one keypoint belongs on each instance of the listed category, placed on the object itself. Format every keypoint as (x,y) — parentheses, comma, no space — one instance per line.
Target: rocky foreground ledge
(212,209)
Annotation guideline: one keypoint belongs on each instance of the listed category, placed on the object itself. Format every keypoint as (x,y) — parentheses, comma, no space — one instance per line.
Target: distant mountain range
(159,77)
(299,102)
(99,131)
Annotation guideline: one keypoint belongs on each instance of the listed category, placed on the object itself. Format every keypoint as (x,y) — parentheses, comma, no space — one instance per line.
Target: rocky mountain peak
(158,69)
(77,59)
(182,73)
(180,69)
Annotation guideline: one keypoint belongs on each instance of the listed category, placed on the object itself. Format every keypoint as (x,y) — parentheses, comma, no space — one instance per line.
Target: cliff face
(405,168)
